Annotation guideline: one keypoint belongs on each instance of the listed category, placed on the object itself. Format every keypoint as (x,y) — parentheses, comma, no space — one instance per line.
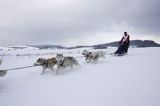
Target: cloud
(70,22)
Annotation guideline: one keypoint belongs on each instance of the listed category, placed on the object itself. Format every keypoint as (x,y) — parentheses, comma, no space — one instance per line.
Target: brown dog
(46,63)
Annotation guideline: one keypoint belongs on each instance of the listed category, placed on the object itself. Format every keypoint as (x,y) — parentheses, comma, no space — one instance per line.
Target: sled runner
(113,54)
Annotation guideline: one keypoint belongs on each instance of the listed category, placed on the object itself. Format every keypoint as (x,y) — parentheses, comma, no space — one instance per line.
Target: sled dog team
(67,61)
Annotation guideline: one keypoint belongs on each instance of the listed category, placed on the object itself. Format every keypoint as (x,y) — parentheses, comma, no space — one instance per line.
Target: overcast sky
(77,22)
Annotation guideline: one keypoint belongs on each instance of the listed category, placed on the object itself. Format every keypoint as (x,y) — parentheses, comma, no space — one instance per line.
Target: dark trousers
(120,50)
(123,48)
(126,46)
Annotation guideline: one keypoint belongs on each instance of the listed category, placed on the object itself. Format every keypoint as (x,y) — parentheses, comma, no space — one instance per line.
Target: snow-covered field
(131,80)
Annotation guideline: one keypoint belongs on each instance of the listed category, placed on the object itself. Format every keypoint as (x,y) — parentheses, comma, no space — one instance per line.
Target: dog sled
(114,54)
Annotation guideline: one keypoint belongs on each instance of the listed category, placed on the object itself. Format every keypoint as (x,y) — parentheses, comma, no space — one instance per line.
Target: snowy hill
(48,46)
(131,80)
(4,48)
(22,47)
(133,43)
(8,48)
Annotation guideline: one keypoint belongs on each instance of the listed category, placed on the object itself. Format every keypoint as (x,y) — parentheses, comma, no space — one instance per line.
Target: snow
(131,80)
(4,48)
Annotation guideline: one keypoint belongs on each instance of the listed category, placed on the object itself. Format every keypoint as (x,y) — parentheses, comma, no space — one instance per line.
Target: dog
(46,63)
(63,62)
(101,54)
(2,72)
(93,56)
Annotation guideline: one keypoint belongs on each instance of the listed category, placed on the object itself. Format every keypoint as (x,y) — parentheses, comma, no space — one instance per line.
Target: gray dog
(93,56)
(63,62)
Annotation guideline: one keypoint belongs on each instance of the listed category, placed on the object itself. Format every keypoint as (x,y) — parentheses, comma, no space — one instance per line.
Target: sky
(77,22)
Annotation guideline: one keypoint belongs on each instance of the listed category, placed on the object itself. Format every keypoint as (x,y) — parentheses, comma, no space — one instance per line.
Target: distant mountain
(8,48)
(76,47)
(4,48)
(133,43)
(144,43)
(48,46)
(21,47)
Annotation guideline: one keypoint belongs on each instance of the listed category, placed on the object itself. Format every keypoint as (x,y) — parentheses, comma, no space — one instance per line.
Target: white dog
(63,62)
(46,63)
(93,56)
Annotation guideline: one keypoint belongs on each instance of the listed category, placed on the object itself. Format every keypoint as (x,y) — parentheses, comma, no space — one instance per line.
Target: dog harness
(62,63)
